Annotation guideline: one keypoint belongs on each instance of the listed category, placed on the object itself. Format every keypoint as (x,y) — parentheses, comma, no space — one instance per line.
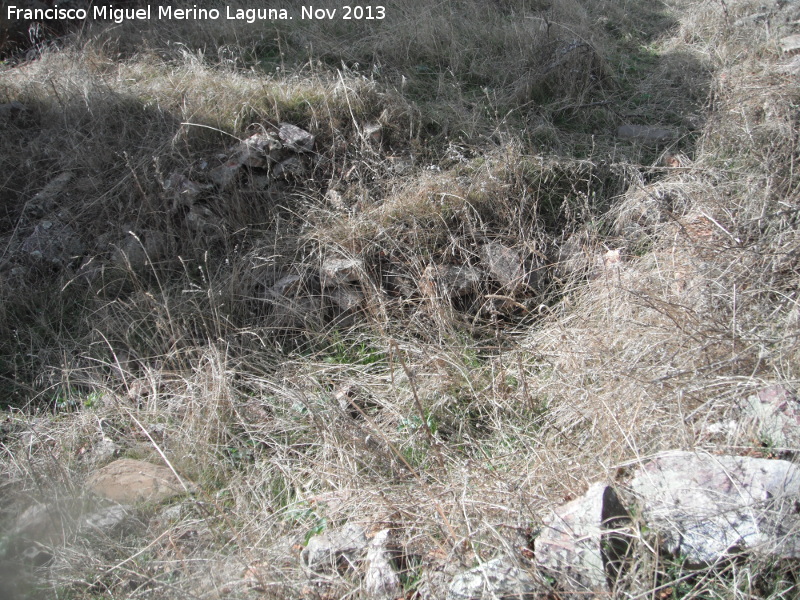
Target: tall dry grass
(656,299)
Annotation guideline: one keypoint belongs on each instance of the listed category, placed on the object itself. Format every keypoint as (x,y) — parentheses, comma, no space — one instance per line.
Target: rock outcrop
(707,508)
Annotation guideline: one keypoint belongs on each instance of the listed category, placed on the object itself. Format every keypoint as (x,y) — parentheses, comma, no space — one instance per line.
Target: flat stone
(577,544)
(130,481)
(503,264)
(496,579)
(294,138)
(337,550)
(646,134)
(790,44)
(707,507)
(105,520)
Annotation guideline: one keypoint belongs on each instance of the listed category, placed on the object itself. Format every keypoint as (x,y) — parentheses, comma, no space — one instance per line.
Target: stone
(337,550)
(790,44)
(298,312)
(646,134)
(380,580)
(285,285)
(373,132)
(571,259)
(496,579)
(223,175)
(706,508)
(335,272)
(136,252)
(257,151)
(773,417)
(104,450)
(294,138)
(202,221)
(105,520)
(579,544)
(290,168)
(184,191)
(37,555)
(504,265)
(450,281)
(130,481)
(53,242)
(346,299)
(39,522)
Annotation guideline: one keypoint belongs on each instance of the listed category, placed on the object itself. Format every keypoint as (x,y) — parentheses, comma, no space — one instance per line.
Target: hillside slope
(435,274)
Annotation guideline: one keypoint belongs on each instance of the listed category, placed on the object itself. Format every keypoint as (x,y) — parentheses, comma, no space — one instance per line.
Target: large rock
(578,543)
(496,579)
(706,507)
(129,481)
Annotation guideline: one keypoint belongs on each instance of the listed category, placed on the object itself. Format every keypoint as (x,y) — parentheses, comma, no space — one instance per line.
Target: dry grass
(657,297)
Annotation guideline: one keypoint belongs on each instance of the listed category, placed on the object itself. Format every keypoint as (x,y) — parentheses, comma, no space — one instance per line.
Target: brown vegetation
(656,284)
